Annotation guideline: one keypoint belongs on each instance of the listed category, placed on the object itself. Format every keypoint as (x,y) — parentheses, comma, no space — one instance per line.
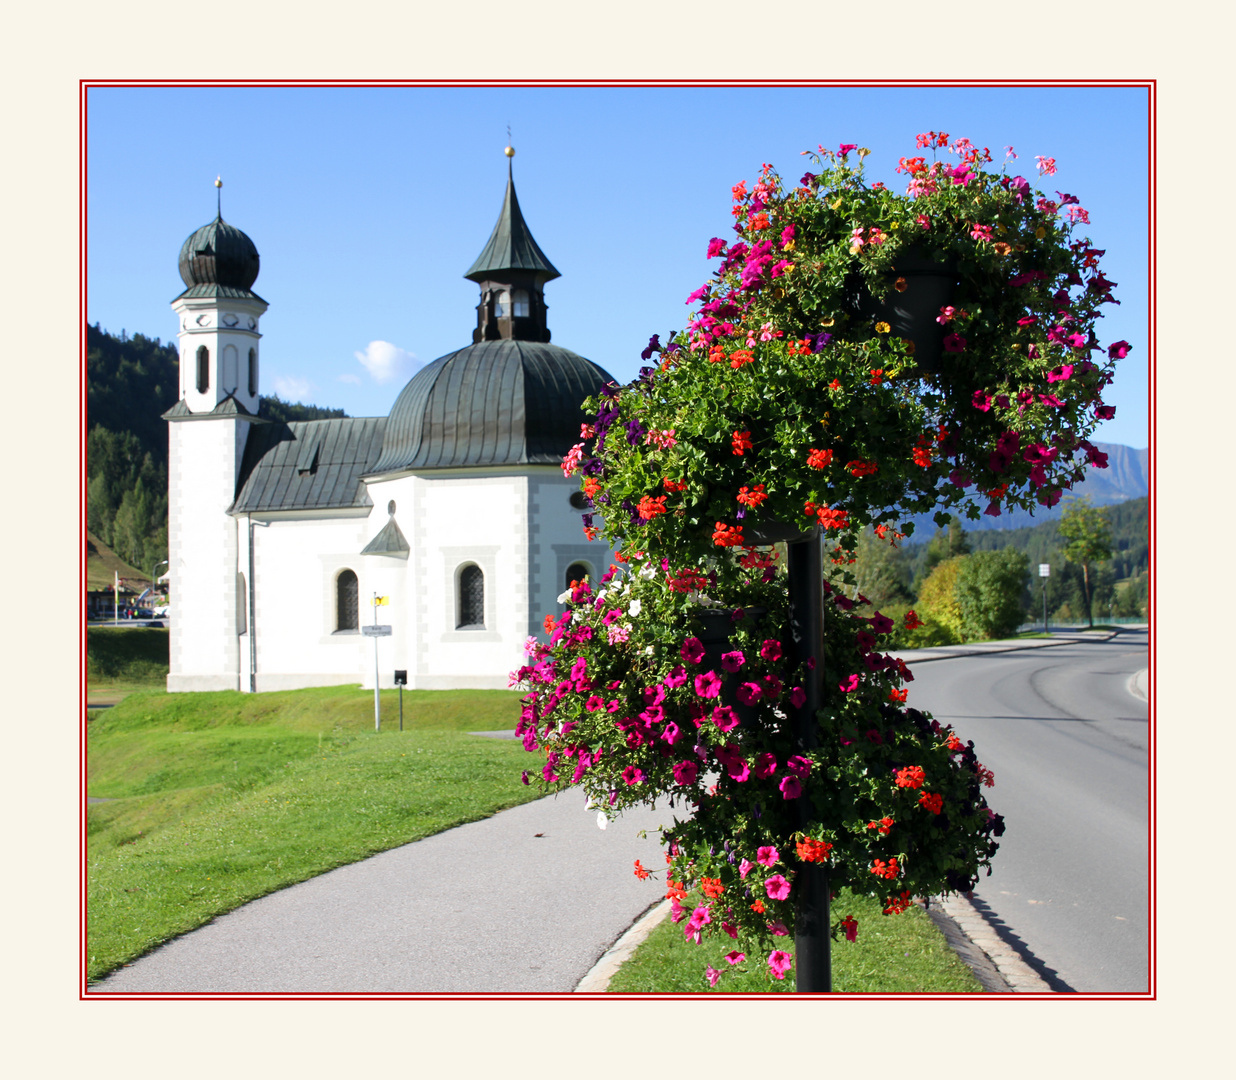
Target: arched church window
(519,304)
(347,607)
(576,572)
(471,599)
(253,383)
(203,369)
(502,305)
(230,361)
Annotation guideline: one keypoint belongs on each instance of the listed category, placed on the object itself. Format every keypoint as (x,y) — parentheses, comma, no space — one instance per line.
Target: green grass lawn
(216,799)
(893,954)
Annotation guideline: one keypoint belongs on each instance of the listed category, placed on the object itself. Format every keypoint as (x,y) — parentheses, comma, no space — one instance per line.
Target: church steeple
(511,271)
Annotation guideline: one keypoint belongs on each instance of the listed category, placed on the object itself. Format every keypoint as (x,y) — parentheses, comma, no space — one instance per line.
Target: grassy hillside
(102,564)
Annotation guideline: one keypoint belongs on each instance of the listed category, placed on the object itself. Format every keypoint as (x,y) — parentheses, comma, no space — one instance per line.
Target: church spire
(511,271)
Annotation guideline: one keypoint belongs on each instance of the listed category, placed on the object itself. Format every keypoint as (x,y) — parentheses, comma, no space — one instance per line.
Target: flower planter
(929,286)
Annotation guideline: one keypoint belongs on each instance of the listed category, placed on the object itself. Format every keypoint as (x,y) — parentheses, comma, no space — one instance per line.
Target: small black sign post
(401,680)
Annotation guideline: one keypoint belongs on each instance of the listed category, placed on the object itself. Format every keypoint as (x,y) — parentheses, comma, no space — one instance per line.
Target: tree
(937,600)
(991,593)
(1087,534)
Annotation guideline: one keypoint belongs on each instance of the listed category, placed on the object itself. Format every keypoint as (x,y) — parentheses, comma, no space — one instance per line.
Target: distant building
(453,506)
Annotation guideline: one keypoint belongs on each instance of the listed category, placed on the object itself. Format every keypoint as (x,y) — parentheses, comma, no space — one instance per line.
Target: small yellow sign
(381,601)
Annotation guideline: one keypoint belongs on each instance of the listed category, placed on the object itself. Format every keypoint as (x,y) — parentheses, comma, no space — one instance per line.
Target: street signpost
(377,631)
(1044,573)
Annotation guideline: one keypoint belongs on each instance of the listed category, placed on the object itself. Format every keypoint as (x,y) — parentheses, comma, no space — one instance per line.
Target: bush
(990,592)
(131,655)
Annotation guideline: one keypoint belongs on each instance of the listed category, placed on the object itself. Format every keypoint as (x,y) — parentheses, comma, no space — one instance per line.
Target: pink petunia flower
(790,787)
(685,772)
(767,856)
(735,957)
(765,766)
(712,975)
(693,650)
(725,718)
(777,887)
(745,867)
(779,962)
(732,661)
(708,685)
(849,684)
(771,650)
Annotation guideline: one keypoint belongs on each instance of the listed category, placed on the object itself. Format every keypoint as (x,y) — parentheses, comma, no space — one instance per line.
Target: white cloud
(348,377)
(386,362)
(291,389)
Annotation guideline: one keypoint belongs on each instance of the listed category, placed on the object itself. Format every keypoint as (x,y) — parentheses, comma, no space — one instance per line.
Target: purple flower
(654,344)
(954,343)
(1019,188)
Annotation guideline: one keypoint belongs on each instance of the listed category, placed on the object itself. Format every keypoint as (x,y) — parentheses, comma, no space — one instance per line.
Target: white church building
(453,507)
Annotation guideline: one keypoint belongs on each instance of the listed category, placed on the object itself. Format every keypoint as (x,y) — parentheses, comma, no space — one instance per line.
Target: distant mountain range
(1127,476)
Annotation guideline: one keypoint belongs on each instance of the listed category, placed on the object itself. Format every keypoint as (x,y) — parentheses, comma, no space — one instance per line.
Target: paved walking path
(526,901)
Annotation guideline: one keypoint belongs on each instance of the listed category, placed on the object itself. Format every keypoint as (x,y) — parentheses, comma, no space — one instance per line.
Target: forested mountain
(130,383)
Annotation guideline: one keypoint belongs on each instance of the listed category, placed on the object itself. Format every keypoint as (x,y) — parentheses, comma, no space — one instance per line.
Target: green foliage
(903,954)
(273,407)
(1087,535)
(991,593)
(937,599)
(219,798)
(129,655)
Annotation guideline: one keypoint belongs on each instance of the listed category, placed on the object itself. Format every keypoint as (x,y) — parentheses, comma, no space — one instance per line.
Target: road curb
(945,652)
(1017,976)
(597,979)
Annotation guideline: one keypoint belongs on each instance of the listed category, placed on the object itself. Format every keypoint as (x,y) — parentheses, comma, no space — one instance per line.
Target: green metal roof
(511,246)
(493,403)
(228,409)
(390,541)
(309,465)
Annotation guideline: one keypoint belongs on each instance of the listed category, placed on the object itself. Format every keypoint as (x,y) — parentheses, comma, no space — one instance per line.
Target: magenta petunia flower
(716,246)
(735,957)
(779,963)
(725,718)
(954,343)
(1119,350)
(771,649)
(732,661)
(790,787)
(799,766)
(849,684)
(671,733)
(712,975)
(765,766)
(692,650)
(632,775)
(798,697)
(767,856)
(749,693)
(708,685)
(685,772)
(777,887)
(745,867)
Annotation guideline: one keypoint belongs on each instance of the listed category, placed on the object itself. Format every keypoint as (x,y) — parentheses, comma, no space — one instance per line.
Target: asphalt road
(1069,745)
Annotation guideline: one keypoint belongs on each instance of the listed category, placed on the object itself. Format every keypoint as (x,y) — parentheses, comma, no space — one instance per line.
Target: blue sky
(368,204)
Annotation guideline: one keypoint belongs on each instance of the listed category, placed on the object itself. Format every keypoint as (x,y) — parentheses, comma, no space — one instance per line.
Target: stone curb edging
(1139,684)
(977,934)
(597,980)
(925,656)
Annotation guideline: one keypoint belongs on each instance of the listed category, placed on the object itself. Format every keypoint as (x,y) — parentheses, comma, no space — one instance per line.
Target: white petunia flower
(602,820)
(564,597)
(635,608)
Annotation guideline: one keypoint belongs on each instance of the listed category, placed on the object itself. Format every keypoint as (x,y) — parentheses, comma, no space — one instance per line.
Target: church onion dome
(506,402)
(219,260)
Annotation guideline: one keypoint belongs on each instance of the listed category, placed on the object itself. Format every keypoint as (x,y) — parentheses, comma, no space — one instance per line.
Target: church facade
(453,507)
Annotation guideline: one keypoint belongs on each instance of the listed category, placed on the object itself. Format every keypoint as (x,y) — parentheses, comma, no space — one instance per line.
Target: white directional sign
(1044,569)
(376,631)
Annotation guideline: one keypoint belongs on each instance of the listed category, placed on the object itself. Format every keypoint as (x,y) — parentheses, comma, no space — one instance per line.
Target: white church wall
(297,563)
(462,519)
(202,545)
